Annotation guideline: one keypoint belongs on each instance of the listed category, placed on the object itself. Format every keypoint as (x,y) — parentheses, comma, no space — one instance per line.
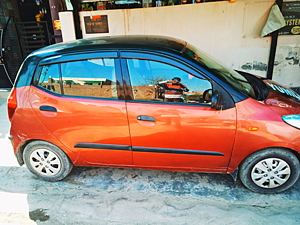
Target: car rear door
(176,133)
(79,98)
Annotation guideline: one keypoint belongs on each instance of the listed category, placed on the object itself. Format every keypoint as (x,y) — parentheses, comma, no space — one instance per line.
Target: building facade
(230,32)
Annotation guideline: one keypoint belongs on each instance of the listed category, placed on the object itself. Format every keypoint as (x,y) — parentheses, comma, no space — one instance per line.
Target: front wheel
(47,161)
(270,171)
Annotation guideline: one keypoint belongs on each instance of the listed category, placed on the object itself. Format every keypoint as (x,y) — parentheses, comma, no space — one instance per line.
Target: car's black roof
(135,42)
(151,42)
(175,47)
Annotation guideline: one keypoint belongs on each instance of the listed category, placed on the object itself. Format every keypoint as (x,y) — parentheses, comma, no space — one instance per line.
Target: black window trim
(80,57)
(60,79)
(154,56)
(131,54)
(170,103)
(75,96)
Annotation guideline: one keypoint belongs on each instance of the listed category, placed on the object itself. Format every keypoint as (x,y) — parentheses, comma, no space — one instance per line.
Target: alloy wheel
(270,173)
(45,162)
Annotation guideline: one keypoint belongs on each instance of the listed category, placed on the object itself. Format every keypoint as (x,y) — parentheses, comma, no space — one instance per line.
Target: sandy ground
(129,196)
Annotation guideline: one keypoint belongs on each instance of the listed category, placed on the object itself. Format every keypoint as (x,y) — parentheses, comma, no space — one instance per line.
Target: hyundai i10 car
(151,102)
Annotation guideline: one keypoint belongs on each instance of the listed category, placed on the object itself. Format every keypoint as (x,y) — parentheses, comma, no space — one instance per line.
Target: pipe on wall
(274,37)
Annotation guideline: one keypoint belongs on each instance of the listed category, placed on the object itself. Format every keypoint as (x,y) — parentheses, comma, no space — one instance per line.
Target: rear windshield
(230,76)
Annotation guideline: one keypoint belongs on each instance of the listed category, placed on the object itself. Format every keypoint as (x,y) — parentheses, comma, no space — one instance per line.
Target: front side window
(91,78)
(157,81)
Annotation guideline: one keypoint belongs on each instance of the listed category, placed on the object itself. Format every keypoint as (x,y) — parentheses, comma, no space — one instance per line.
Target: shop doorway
(35,29)
(5,81)
(26,30)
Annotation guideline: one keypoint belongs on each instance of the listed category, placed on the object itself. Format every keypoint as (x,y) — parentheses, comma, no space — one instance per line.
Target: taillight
(11,103)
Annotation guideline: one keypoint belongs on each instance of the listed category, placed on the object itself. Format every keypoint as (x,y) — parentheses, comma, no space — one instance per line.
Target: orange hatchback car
(151,102)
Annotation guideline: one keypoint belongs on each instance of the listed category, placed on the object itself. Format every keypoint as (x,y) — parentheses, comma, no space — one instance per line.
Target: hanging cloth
(275,21)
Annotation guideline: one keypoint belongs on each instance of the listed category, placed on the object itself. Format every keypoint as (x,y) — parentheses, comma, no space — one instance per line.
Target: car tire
(47,161)
(270,171)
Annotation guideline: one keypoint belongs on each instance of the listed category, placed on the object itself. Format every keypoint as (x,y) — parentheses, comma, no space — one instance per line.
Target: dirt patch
(39,214)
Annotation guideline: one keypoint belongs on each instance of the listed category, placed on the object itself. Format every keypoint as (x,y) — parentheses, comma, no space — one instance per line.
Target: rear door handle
(146,118)
(48,108)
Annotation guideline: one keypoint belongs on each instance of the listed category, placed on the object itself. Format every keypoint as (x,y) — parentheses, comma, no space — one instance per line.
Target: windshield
(235,79)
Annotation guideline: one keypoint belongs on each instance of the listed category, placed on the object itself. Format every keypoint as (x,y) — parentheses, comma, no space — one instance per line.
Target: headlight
(293,120)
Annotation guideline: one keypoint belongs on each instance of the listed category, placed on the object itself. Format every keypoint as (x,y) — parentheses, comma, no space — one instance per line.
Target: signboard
(96,24)
(291,13)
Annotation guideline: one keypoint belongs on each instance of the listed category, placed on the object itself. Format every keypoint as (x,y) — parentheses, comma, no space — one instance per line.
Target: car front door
(79,99)
(171,124)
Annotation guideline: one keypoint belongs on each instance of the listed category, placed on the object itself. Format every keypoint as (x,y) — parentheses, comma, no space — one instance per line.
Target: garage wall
(228,31)
(288,69)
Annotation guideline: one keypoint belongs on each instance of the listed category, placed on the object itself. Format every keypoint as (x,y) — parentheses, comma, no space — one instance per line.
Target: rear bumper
(19,158)
(16,142)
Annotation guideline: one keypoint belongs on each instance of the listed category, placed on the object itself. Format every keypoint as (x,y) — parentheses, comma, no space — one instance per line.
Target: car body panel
(88,121)
(25,126)
(282,100)
(271,131)
(200,137)
(108,132)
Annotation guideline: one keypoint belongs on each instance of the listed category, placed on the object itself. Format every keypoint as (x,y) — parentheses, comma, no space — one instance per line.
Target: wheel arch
(263,149)
(234,171)
(270,170)
(19,155)
(47,161)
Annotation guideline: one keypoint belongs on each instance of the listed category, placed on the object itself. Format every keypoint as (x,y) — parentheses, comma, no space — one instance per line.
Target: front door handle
(146,118)
(48,108)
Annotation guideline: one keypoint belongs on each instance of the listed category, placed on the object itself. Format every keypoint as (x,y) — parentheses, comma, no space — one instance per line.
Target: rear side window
(90,78)
(50,78)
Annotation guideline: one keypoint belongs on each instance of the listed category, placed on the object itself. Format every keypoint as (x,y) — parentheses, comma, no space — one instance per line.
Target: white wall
(67,25)
(287,72)
(228,31)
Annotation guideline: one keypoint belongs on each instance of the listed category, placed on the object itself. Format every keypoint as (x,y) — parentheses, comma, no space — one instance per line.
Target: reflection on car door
(181,133)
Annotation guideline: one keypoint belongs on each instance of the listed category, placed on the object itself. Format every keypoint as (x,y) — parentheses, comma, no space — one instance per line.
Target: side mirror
(216,100)
(207,94)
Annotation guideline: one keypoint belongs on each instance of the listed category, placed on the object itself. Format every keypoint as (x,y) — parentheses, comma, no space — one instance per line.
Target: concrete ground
(129,196)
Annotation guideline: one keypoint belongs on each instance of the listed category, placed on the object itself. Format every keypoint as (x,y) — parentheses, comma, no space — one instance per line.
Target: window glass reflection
(157,81)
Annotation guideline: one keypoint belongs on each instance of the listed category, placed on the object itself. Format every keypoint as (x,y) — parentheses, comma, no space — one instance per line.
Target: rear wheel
(270,171)
(47,161)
